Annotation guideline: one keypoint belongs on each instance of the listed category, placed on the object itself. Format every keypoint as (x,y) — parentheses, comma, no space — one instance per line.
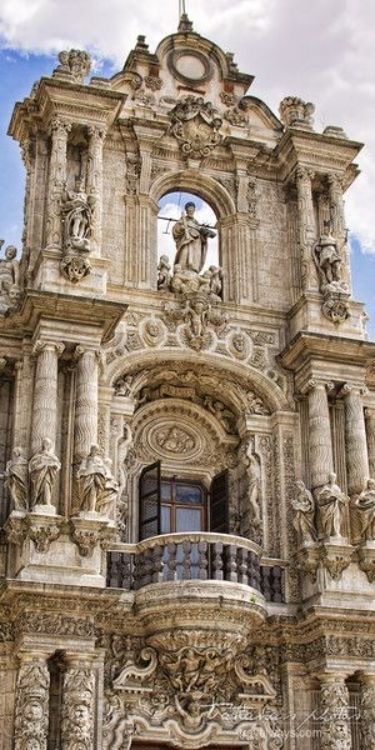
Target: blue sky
(21,63)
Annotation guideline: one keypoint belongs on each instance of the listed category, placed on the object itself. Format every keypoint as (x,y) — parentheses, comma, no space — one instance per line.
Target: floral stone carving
(196,125)
(31,715)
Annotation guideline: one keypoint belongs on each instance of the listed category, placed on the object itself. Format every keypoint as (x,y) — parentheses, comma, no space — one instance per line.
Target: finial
(185,25)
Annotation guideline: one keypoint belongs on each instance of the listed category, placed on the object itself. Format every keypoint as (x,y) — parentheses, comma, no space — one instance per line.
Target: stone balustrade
(193,556)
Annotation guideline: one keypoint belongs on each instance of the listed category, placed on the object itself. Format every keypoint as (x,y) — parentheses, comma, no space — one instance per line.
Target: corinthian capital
(335,181)
(59,126)
(304,174)
(97,132)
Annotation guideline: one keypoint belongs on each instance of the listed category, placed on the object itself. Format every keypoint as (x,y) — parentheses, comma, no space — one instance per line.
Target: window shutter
(149,501)
(219,504)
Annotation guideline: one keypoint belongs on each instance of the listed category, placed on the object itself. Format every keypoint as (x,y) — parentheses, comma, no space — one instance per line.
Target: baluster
(147,568)
(231,563)
(266,583)
(158,565)
(254,571)
(277,595)
(203,560)
(217,550)
(242,566)
(186,569)
(124,570)
(172,563)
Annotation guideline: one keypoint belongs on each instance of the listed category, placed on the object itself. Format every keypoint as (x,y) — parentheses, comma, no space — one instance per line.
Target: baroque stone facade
(187,451)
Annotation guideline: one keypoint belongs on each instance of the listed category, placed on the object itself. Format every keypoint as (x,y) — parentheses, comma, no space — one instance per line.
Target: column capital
(349,388)
(45,345)
(318,383)
(97,132)
(334,180)
(81,350)
(59,126)
(304,174)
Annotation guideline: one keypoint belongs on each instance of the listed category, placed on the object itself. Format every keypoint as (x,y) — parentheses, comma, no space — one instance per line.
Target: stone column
(86,407)
(307,231)
(334,712)
(370,431)
(32,702)
(78,704)
(44,417)
(57,180)
(357,464)
(95,183)
(320,443)
(368,711)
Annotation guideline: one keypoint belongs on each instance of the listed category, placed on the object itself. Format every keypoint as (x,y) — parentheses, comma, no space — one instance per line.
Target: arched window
(171,207)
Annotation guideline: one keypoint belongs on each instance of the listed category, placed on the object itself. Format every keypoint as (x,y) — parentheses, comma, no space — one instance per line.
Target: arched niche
(196,182)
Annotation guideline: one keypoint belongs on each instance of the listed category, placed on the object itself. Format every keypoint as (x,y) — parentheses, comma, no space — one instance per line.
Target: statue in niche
(97,489)
(9,279)
(328,261)
(365,505)
(304,516)
(77,212)
(191,240)
(43,469)
(331,502)
(251,513)
(16,479)
(164,272)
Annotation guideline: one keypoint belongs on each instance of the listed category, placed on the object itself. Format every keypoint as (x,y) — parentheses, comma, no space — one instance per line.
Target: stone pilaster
(32,702)
(370,432)
(320,443)
(57,180)
(307,232)
(44,417)
(357,463)
(78,704)
(334,713)
(86,408)
(368,711)
(95,183)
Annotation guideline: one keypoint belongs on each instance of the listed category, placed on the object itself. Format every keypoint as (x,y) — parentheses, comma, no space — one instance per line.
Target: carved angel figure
(43,469)
(365,504)
(164,272)
(191,240)
(97,489)
(331,503)
(304,516)
(77,214)
(16,479)
(250,511)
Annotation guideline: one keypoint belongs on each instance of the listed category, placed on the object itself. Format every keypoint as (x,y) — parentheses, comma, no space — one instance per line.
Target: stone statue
(16,479)
(191,240)
(97,489)
(222,414)
(164,272)
(9,278)
(77,220)
(328,261)
(74,63)
(304,516)
(250,513)
(331,502)
(365,505)
(43,469)
(214,274)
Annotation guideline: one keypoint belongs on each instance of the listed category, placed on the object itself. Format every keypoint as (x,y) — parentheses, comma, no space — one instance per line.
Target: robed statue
(191,240)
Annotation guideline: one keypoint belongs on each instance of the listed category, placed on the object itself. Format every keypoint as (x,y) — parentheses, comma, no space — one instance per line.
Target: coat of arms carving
(196,125)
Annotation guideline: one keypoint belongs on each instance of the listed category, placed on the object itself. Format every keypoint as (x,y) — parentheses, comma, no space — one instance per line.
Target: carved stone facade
(187,451)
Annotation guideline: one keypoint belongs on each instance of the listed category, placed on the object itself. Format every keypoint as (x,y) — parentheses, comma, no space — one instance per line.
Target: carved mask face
(33,711)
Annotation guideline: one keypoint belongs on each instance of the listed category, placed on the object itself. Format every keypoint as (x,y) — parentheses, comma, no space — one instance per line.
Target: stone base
(44,510)
(307,315)
(48,276)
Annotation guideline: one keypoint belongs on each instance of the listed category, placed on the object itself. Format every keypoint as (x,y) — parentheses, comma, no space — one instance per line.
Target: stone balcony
(197,582)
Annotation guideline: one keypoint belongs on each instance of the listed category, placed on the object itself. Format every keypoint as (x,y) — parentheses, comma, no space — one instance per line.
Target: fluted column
(368,711)
(357,464)
(95,183)
(44,418)
(78,704)
(320,443)
(307,232)
(335,731)
(86,407)
(57,180)
(32,702)
(370,432)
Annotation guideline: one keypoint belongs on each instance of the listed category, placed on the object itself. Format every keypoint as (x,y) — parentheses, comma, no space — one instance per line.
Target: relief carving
(77,725)
(77,215)
(196,125)
(304,515)
(31,712)
(328,261)
(10,290)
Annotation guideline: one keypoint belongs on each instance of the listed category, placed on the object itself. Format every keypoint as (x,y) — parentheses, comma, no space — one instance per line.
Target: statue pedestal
(323,564)
(88,530)
(336,554)
(43,510)
(366,560)
(48,276)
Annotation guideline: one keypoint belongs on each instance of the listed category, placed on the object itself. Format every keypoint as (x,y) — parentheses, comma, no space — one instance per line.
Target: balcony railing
(193,556)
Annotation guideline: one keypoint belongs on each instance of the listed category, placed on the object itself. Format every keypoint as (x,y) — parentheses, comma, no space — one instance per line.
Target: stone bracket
(334,556)
(90,529)
(366,560)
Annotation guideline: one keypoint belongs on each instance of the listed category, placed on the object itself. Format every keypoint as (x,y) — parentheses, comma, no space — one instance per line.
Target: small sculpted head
(332,477)
(46,445)
(10,252)
(190,209)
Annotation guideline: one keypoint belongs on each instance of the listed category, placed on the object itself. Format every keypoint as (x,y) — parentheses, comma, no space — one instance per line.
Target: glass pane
(166,488)
(188,519)
(189,493)
(165,519)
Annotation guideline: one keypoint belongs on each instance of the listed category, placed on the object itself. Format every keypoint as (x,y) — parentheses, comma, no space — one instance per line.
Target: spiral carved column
(95,182)
(44,419)
(355,439)
(86,406)
(307,230)
(57,181)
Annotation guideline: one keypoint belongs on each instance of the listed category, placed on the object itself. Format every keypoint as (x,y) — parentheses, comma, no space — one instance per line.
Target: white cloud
(323,51)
